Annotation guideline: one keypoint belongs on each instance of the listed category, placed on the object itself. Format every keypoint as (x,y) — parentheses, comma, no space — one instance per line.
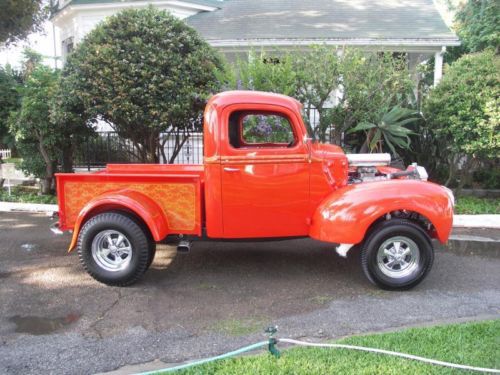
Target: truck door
(265,173)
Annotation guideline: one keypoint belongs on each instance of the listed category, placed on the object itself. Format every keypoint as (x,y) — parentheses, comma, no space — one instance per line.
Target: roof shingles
(323,20)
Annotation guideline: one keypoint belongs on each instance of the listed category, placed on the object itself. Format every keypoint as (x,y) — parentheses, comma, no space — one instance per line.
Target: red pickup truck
(263,176)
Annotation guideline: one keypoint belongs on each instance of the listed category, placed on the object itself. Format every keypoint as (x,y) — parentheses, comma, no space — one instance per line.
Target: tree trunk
(451,171)
(67,157)
(49,168)
(178,146)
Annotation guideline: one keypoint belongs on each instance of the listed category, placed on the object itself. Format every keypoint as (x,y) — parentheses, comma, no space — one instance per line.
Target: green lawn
(474,344)
(474,206)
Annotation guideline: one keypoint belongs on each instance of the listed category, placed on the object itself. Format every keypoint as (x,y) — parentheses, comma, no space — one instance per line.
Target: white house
(235,26)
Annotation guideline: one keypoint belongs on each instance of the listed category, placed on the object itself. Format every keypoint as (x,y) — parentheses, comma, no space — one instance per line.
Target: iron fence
(108,147)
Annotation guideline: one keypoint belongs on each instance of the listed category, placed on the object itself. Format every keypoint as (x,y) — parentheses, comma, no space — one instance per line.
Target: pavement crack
(101,317)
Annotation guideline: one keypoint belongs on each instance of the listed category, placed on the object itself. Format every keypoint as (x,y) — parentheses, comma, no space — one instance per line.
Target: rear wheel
(115,249)
(397,255)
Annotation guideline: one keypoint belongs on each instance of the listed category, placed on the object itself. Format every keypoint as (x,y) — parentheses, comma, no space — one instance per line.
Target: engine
(375,167)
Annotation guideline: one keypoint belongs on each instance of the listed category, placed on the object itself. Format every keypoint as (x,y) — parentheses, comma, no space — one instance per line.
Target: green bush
(145,72)
(463,114)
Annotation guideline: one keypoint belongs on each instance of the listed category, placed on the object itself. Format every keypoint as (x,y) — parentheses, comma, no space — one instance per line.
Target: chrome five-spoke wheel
(397,254)
(398,257)
(111,250)
(115,248)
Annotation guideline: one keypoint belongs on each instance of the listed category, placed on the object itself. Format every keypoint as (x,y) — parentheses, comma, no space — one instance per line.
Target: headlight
(450,195)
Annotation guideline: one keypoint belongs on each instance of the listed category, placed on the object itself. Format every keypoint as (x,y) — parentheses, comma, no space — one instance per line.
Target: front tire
(114,249)
(397,255)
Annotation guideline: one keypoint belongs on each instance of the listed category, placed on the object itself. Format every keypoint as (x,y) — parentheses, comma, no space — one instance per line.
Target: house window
(271,60)
(68,46)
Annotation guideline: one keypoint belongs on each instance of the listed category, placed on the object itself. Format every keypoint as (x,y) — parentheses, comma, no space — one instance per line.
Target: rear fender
(346,214)
(144,207)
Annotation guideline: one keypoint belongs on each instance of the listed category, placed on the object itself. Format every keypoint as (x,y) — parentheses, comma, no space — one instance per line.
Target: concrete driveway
(54,318)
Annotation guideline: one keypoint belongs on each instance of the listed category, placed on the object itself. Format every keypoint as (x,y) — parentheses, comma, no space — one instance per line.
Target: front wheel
(114,249)
(397,255)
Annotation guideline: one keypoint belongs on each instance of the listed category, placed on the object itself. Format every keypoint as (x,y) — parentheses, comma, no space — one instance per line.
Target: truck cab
(264,176)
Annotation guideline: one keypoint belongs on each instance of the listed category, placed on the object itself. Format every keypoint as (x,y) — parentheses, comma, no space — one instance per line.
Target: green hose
(222,356)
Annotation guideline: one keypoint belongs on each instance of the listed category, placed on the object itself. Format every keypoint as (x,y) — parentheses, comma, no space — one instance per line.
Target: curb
(459,221)
(476,221)
(470,245)
(28,207)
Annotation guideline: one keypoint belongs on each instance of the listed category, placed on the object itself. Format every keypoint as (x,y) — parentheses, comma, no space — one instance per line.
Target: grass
(16,161)
(474,344)
(475,206)
(238,327)
(23,194)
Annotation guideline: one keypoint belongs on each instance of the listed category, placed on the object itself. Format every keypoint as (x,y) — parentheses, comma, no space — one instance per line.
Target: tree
(9,101)
(477,23)
(345,87)
(37,139)
(372,84)
(463,114)
(262,72)
(146,73)
(19,18)
(69,117)
(319,78)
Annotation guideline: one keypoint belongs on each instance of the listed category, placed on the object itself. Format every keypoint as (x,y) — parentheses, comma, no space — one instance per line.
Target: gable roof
(239,22)
(62,4)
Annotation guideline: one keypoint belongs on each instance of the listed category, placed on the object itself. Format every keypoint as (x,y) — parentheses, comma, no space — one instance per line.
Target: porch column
(438,65)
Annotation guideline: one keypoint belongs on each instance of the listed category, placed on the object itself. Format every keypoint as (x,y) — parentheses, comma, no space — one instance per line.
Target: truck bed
(177,189)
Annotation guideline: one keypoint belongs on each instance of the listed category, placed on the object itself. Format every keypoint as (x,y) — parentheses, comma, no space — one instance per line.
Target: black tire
(99,266)
(413,268)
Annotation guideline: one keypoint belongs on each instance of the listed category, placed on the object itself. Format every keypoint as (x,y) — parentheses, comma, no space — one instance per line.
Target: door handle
(228,169)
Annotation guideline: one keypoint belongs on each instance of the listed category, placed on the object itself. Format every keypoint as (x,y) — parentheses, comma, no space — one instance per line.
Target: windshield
(309,129)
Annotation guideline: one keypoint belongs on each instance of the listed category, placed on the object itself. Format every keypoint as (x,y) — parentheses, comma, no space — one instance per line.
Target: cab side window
(260,129)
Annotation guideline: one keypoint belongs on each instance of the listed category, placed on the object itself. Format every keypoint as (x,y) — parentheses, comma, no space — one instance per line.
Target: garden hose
(273,341)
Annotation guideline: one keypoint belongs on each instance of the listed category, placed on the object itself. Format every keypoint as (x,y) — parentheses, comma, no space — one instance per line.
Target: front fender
(140,204)
(346,214)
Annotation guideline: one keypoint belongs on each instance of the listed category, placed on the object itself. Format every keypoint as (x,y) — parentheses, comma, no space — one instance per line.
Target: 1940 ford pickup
(263,176)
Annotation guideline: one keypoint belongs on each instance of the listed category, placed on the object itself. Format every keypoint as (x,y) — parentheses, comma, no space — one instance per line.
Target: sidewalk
(459,221)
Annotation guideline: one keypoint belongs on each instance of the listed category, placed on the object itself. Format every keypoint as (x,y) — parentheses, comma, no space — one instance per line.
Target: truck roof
(254,97)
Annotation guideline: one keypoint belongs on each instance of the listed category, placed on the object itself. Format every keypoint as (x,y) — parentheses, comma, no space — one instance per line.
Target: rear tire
(397,255)
(114,249)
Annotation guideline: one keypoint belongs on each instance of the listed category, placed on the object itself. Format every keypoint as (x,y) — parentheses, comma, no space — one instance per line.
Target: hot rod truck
(263,176)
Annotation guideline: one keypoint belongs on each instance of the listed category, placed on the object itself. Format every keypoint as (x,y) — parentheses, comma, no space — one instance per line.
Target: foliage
(475,206)
(477,23)
(372,84)
(474,344)
(462,113)
(488,176)
(68,113)
(9,101)
(19,18)
(24,196)
(345,87)
(36,137)
(390,130)
(319,81)
(263,73)
(145,72)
